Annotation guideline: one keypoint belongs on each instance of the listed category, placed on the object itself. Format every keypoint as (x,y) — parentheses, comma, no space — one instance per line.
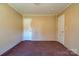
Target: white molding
(71,49)
(75,51)
(42,40)
(9,47)
(9,4)
(39,15)
(64,8)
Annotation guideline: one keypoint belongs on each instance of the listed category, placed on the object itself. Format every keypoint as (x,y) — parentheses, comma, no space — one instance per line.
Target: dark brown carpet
(42,48)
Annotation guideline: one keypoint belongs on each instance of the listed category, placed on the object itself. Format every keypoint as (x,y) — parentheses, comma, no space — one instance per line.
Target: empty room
(39,29)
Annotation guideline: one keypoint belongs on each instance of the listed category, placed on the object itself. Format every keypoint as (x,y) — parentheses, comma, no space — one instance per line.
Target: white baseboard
(75,51)
(40,40)
(9,47)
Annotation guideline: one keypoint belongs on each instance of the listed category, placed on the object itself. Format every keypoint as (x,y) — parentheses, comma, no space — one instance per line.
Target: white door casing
(61,29)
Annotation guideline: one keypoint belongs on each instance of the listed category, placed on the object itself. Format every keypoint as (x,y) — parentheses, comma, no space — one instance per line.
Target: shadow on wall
(36,34)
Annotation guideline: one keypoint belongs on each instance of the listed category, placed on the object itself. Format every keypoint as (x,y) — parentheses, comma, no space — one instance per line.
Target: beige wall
(10,28)
(72,27)
(43,27)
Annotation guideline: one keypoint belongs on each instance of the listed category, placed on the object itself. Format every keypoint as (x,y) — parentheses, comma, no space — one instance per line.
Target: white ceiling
(39,8)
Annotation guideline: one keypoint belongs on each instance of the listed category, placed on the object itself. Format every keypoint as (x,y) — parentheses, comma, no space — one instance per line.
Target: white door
(61,29)
(27,34)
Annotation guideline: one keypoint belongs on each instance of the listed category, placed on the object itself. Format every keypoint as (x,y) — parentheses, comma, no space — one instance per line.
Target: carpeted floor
(39,48)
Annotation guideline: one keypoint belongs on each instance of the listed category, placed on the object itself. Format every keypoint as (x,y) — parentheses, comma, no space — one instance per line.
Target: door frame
(59,37)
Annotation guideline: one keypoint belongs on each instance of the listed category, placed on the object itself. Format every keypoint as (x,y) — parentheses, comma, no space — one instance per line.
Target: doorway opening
(27,34)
